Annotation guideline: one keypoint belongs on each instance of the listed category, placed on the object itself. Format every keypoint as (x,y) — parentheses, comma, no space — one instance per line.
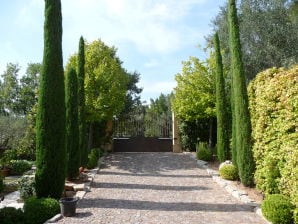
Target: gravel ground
(157,188)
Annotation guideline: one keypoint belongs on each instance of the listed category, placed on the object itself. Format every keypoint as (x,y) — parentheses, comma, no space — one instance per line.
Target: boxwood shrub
(10,215)
(278,209)
(228,172)
(38,210)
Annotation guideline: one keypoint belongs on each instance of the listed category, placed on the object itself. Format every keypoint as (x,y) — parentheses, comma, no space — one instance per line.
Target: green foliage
(190,131)
(9,90)
(27,186)
(278,209)
(10,215)
(229,172)
(12,130)
(221,107)
(296,216)
(1,183)
(81,105)
(245,162)
(93,158)
(18,167)
(273,96)
(268,34)
(194,96)
(38,210)
(202,152)
(72,128)
(50,120)
(158,116)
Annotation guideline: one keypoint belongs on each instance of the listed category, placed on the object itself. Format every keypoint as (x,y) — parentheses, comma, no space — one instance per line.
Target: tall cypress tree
(221,106)
(242,128)
(50,121)
(72,128)
(81,104)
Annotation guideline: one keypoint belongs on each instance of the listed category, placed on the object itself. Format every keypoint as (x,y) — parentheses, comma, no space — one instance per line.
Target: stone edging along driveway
(233,190)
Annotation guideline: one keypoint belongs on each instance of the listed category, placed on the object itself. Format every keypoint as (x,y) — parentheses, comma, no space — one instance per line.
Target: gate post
(176,138)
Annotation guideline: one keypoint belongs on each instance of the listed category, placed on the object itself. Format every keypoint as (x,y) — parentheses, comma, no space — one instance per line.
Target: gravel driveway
(158,188)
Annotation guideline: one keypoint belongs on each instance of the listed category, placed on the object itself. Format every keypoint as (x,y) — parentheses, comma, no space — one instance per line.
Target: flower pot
(4,172)
(68,206)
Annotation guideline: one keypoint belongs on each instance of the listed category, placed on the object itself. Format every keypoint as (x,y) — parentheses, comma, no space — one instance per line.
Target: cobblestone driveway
(158,188)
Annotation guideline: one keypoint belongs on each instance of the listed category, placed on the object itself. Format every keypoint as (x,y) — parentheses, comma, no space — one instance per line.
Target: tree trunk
(90,137)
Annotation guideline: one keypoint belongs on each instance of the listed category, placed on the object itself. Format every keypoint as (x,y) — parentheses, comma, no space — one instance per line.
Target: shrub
(10,215)
(203,153)
(278,209)
(296,216)
(93,159)
(38,210)
(27,186)
(228,172)
(274,115)
(18,167)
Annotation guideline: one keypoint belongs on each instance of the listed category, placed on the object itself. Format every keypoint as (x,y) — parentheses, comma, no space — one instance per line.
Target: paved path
(158,188)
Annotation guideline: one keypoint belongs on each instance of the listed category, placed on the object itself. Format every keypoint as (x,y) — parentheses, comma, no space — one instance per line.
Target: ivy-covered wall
(273,97)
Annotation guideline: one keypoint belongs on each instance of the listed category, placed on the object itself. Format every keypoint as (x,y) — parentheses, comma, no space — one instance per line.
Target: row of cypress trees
(60,122)
(242,155)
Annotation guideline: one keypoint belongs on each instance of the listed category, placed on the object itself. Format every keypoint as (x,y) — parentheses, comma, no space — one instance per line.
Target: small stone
(79,187)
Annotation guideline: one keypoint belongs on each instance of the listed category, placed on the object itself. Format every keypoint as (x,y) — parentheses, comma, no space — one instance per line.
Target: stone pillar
(176,139)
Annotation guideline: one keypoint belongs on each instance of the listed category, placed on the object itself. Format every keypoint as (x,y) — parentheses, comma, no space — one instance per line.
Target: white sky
(152,36)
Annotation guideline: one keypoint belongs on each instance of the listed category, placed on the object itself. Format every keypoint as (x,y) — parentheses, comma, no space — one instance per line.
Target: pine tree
(221,106)
(72,128)
(242,128)
(81,104)
(50,124)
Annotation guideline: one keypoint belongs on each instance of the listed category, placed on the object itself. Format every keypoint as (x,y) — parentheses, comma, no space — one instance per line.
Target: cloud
(158,87)
(151,26)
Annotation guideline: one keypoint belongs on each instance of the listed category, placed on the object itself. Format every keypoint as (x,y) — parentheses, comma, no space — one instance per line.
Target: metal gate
(143,133)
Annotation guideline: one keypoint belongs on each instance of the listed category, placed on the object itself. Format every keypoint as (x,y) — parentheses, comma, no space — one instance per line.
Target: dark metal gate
(143,133)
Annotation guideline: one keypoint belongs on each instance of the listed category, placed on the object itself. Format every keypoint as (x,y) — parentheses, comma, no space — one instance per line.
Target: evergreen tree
(221,107)
(245,162)
(81,104)
(50,124)
(72,128)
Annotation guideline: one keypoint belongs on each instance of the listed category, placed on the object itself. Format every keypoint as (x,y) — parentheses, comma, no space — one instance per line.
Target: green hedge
(273,96)
(39,210)
(9,215)
(278,209)
(229,172)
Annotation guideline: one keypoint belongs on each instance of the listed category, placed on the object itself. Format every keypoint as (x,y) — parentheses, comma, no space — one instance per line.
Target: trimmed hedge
(39,210)
(9,215)
(229,172)
(273,96)
(278,209)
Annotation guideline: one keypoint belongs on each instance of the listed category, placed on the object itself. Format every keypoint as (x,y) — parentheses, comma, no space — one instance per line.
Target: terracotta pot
(4,172)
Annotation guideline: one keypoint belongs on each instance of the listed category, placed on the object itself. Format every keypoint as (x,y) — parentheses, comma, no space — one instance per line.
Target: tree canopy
(194,96)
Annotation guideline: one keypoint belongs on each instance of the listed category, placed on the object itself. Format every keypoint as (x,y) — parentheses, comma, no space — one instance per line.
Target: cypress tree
(72,128)
(242,128)
(81,104)
(50,121)
(221,106)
